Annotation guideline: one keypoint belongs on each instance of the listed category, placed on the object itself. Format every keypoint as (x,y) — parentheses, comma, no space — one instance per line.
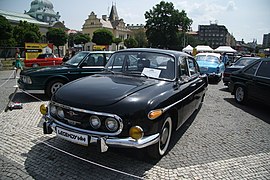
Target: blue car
(211,64)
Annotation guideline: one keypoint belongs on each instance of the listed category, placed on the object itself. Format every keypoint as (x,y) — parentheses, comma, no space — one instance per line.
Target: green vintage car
(49,79)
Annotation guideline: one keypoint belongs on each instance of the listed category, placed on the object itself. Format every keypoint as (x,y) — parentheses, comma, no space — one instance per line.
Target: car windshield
(77,58)
(209,58)
(244,61)
(150,65)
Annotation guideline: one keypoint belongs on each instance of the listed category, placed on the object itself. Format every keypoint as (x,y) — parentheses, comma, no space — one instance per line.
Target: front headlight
(95,122)
(60,113)
(26,80)
(111,124)
(53,109)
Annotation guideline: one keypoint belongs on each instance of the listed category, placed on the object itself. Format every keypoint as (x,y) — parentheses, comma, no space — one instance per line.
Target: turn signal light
(155,114)
(43,109)
(136,132)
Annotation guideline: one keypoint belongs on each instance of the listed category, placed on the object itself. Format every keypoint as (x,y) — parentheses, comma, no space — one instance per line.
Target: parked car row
(138,97)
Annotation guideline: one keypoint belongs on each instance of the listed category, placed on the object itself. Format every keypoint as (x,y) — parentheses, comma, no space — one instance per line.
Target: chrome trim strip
(120,142)
(120,121)
(35,91)
(168,107)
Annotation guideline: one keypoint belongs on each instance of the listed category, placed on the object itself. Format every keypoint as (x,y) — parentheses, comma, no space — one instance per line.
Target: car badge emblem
(71,113)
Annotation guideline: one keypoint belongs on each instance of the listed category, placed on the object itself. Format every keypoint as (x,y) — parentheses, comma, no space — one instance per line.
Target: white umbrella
(189,48)
(226,49)
(203,48)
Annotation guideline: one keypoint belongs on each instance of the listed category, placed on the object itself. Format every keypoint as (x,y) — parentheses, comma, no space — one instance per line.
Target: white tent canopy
(189,48)
(203,48)
(226,49)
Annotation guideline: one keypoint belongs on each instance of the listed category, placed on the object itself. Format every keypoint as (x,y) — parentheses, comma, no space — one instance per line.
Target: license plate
(77,138)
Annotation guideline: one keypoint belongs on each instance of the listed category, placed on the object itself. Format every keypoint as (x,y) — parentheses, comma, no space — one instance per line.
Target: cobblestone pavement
(221,141)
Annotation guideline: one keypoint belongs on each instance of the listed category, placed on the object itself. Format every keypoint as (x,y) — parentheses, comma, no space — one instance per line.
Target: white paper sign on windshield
(151,72)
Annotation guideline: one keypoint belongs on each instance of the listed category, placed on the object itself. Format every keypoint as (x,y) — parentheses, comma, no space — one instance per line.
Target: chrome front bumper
(103,141)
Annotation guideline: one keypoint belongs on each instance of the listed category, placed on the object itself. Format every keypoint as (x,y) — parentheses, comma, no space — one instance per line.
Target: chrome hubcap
(55,87)
(239,94)
(164,135)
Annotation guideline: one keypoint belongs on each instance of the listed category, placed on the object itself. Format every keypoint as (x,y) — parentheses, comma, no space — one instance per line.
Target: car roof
(155,50)
(207,54)
(96,52)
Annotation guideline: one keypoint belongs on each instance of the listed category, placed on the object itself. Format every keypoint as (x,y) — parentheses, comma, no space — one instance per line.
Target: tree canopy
(163,23)
(5,31)
(80,38)
(102,37)
(26,32)
(57,36)
(130,43)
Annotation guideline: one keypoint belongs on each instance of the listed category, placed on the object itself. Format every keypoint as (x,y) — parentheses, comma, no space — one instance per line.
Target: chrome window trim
(168,107)
(120,121)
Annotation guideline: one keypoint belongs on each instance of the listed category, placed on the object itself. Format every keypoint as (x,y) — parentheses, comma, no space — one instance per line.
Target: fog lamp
(43,109)
(155,114)
(136,132)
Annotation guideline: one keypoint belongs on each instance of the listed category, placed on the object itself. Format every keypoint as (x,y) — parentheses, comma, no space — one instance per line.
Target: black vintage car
(141,98)
(49,79)
(240,63)
(252,82)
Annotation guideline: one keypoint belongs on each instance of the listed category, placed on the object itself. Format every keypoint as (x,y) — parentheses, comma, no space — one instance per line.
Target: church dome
(41,4)
(42,10)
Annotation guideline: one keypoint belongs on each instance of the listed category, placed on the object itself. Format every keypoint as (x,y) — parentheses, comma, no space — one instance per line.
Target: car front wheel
(157,150)
(240,95)
(53,86)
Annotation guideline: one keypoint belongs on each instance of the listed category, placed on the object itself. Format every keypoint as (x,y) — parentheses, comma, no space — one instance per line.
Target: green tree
(57,36)
(117,41)
(141,38)
(6,39)
(163,23)
(26,32)
(102,37)
(130,43)
(80,38)
(5,31)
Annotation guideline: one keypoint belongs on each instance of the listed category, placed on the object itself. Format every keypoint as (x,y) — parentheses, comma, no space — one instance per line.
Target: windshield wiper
(110,71)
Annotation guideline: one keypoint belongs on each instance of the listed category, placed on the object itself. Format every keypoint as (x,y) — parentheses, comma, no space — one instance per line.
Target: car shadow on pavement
(26,98)
(256,109)
(45,162)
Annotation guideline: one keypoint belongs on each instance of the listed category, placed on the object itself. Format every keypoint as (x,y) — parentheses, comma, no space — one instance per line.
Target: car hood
(39,70)
(207,64)
(100,90)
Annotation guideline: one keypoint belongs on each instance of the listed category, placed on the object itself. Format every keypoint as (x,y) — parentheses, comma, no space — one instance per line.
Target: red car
(43,60)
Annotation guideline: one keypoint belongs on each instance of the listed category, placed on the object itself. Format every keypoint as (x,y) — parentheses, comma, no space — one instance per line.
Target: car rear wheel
(240,95)
(159,149)
(35,65)
(53,86)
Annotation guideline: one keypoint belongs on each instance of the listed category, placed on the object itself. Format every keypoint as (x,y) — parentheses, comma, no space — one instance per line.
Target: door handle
(193,85)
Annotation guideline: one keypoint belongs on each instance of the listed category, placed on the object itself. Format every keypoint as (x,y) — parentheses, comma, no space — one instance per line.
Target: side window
(183,68)
(192,67)
(94,60)
(252,69)
(264,69)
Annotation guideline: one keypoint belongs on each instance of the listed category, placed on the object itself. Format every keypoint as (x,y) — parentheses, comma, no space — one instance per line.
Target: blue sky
(245,19)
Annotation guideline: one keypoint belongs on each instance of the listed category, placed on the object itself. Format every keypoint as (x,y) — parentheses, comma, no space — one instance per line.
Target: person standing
(18,64)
